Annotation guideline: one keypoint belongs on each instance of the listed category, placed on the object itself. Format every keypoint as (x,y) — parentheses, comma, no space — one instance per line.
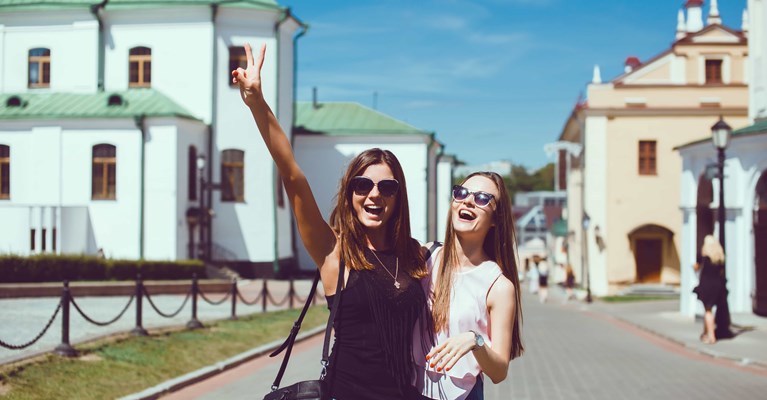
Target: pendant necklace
(396,271)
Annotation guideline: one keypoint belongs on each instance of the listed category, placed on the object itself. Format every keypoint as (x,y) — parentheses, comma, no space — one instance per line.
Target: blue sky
(495,79)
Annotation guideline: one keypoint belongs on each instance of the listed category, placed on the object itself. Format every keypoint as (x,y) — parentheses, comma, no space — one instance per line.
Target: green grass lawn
(113,368)
(634,298)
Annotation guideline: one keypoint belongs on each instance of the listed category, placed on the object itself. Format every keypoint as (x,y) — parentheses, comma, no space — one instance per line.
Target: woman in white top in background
(475,294)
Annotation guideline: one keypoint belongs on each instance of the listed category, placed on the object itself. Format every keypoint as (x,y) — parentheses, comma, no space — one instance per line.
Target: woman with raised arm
(369,231)
(475,294)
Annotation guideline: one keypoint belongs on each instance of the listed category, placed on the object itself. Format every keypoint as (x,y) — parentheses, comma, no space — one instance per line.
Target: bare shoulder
(502,291)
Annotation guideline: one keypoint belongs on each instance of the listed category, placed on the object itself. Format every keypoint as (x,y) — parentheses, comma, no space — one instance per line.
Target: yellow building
(627,178)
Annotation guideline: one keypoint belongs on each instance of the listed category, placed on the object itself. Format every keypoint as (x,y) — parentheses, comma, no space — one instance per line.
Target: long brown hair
(499,245)
(350,231)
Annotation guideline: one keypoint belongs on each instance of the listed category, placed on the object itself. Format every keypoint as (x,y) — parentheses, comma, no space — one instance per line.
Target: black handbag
(314,389)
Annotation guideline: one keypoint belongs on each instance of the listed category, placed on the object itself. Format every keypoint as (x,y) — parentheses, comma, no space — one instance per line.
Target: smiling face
(373,209)
(467,217)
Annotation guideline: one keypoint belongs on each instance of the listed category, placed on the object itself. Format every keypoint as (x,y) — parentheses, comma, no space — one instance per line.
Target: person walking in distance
(475,293)
(711,283)
(369,233)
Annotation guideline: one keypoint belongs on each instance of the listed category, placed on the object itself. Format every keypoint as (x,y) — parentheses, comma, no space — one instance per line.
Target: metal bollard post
(194,323)
(233,317)
(139,329)
(264,295)
(65,349)
(291,294)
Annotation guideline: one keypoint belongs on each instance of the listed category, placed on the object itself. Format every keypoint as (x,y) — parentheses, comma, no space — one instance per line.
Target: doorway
(760,247)
(648,254)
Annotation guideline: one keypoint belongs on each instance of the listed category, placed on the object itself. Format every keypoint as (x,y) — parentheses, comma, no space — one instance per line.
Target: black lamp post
(202,220)
(586,221)
(720,136)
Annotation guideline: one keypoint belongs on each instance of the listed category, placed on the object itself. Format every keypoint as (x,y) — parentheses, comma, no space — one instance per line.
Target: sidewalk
(658,317)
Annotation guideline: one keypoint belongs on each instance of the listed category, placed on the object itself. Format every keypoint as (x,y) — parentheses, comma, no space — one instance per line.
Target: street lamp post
(720,136)
(584,255)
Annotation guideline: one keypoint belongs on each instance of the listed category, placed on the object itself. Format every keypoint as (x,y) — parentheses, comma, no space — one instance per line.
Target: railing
(66,301)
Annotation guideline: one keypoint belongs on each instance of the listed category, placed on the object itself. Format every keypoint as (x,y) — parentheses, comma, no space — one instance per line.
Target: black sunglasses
(362,185)
(481,199)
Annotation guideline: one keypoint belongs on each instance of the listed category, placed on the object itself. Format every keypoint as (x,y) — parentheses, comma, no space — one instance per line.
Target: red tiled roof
(694,3)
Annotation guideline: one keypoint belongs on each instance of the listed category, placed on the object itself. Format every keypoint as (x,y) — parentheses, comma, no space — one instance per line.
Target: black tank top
(372,356)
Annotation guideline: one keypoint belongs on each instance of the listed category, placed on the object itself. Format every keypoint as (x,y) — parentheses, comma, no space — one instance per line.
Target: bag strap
(431,249)
(288,344)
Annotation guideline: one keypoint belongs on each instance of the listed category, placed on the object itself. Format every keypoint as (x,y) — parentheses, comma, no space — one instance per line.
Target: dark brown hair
(350,231)
(499,245)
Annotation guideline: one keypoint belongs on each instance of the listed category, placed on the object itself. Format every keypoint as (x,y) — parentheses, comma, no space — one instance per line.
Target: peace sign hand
(249,79)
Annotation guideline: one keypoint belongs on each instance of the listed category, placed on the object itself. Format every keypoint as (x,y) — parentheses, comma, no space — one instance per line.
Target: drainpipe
(95,10)
(304,29)
(275,186)
(207,228)
(428,185)
(139,119)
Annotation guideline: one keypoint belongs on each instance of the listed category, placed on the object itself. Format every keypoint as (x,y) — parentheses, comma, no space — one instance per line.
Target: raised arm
(315,232)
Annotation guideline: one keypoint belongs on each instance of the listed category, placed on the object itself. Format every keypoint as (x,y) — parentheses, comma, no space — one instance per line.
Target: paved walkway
(23,318)
(574,351)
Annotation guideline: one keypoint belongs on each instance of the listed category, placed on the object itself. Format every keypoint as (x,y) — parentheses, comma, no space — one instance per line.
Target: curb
(203,373)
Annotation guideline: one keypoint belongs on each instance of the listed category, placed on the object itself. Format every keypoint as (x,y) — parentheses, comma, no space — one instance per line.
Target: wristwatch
(479,341)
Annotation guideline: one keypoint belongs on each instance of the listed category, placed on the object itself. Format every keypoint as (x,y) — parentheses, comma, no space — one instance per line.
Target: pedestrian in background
(711,284)
(542,267)
(569,282)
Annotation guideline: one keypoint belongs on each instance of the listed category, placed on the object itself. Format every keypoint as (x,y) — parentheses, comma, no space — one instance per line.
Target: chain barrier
(214,303)
(250,303)
(110,322)
(171,315)
(39,335)
(281,302)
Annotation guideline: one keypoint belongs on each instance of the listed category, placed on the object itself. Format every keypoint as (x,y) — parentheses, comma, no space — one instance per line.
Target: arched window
(104,179)
(192,166)
(140,67)
(237,58)
(233,175)
(5,172)
(39,68)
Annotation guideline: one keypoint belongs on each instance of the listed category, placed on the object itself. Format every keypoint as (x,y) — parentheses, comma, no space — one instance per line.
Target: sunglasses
(481,199)
(362,185)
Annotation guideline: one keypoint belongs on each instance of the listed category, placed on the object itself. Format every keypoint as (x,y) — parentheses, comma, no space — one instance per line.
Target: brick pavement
(574,351)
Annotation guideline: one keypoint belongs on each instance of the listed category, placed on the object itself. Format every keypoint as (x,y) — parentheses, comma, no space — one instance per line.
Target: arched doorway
(703,212)
(653,248)
(760,246)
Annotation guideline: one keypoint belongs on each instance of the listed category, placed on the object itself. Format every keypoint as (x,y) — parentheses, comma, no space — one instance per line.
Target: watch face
(480,340)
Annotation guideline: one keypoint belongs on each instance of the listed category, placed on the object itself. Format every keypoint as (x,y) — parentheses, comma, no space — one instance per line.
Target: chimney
(713,14)
(631,63)
(597,77)
(681,27)
(694,15)
(314,98)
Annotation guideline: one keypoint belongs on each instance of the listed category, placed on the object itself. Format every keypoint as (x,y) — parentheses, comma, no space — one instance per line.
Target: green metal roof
(758,128)
(339,119)
(136,102)
(11,5)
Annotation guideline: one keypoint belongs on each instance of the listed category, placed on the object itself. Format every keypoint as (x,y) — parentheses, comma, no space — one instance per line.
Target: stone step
(650,290)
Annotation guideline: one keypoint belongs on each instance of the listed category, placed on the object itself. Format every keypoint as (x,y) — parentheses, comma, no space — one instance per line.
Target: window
(104,180)
(32,239)
(232,175)
(39,68)
(713,71)
(192,166)
(237,59)
(140,67)
(42,240)
(5,172)
(53,240)
(647,157)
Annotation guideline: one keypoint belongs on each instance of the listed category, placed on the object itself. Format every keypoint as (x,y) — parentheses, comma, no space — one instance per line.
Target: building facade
(624,222)
(745,192)
(106,109)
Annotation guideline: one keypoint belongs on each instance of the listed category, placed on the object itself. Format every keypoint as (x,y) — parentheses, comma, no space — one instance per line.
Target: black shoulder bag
(315,389)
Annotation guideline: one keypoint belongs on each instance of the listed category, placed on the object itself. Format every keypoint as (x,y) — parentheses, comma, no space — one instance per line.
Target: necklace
(396,271)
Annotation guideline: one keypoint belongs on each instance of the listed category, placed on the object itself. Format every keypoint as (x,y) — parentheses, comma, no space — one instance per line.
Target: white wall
(444,197)
(595,199)
(757,56)
(71,36)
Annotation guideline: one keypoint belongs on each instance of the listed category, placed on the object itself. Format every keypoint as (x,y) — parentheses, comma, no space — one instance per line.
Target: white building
(104,111)
(745,190)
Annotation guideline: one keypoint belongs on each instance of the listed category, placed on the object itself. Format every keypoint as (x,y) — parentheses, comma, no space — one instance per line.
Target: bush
(55,268)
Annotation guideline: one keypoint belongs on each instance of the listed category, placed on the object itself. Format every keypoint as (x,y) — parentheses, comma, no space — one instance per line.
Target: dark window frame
(42,78)
(192,182)
(648,157)
(714,71)
(233,175)
(237,58)
(5,172)
(104,167)
(140,67)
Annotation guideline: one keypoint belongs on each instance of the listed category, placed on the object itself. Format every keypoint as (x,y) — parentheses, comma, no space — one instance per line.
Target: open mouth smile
(373,209)
(466,215)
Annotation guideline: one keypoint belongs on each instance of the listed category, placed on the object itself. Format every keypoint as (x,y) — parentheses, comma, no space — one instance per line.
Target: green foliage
(523,181)
(55,268)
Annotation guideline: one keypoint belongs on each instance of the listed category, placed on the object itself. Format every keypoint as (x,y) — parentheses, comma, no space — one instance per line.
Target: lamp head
(201,162)
(720,134)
